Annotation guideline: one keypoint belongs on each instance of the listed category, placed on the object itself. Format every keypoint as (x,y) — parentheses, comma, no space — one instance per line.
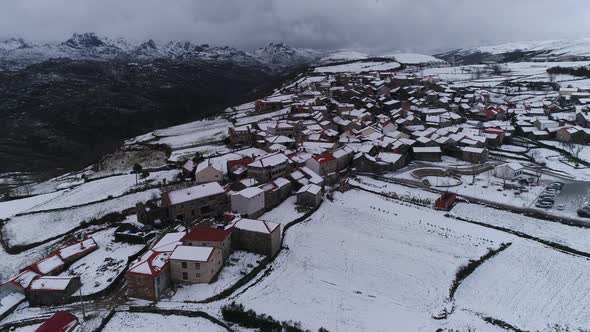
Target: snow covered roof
(472,150)
(310,188)
(191,253)
(47,264)
(24,279)
(259,226)
(77,248)
(169,242)
(428,149)
(51,283)
(192,193)
(150,263)
(250,192)
(269,160)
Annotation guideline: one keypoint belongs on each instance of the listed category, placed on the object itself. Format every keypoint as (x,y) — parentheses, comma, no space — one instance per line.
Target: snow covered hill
(551,50)
(16,52)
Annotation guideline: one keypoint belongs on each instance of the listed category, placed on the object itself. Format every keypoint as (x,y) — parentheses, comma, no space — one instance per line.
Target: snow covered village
(446,198)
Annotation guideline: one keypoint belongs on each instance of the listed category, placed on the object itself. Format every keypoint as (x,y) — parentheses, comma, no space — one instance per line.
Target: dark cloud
(379,25)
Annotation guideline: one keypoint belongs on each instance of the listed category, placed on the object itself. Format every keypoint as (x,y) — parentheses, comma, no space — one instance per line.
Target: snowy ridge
(17,52)
(561,50)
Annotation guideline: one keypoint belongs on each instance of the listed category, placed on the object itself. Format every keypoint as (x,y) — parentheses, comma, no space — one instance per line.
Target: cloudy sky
(371,25)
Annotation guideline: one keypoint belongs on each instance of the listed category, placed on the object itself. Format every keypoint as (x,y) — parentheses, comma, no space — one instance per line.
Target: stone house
(431,153)
(52,290)
(149,276)
(275,192)
(189,264)
(309,195)
(257,236)
(205,200)
(474,155)
(269,167)
(243,135)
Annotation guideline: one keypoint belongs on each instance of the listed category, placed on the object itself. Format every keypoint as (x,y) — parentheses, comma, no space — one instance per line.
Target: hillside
(548,50)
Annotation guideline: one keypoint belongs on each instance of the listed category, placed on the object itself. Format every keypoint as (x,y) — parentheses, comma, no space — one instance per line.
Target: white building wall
(247,205)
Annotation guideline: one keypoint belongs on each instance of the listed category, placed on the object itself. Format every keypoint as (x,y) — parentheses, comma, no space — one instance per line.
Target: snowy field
(412,58)
(205,151)
(573,237)
(193,133)
(486,187)
(25,229)
(238,264)
(358,67)
(342,56)
(280,114)
(530,286)
(363,263)
(99,269)
(10,208)
(146,322)
(368,183)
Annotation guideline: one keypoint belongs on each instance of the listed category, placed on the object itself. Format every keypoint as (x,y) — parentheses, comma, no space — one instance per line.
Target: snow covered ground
(99,269)
(368,183)
(358,67)
(530,286)
(205,151)
(238,264)
(364,263)
(412,58)
(25,229)
(146,322)
(193,133)
(284,213)
(10,208)
(573,237)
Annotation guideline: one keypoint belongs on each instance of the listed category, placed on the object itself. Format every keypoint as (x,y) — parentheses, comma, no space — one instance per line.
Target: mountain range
(16,53)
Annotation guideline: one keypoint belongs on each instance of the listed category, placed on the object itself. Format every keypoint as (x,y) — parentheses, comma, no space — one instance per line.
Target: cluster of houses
(198,255)
(41,283)
(318,131)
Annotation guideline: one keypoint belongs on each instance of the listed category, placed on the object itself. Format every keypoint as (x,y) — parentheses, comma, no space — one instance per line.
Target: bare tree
(572,148)
(477,73)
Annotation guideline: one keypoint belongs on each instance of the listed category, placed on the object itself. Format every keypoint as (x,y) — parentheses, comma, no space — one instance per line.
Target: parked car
(544,205)
(584,212)
(560,207)
(556,185)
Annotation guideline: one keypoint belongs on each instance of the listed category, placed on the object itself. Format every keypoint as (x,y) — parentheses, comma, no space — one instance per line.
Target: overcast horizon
(429,26)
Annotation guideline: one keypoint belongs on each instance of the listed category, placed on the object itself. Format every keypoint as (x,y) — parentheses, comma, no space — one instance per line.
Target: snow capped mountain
(17,53)
(281,55)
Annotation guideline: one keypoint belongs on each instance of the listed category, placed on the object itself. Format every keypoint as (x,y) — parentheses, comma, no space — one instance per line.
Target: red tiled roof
(61,321)
(239,162)
(199,233)
(324,157)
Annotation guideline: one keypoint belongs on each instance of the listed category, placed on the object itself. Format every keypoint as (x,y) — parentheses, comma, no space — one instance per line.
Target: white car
(560,207)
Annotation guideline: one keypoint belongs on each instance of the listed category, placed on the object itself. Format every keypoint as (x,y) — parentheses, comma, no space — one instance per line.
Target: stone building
(257,236)
(205,200)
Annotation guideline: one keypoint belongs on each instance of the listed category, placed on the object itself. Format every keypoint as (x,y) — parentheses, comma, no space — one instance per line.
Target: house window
(198,266)
(183,265)
(184,276)
(198,275)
